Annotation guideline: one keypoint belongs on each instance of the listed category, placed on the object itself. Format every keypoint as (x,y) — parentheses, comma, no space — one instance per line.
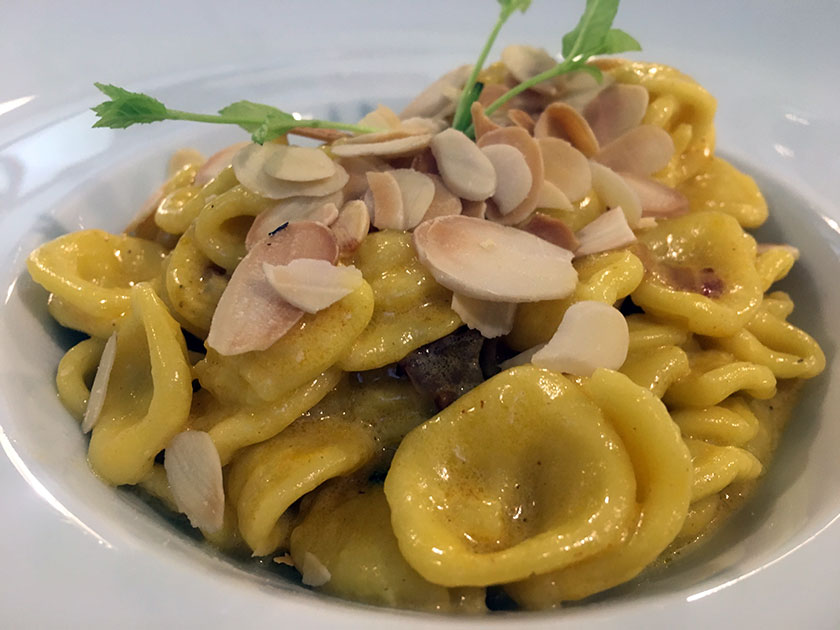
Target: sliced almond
(524,62)
(481,122)
(488,261)
(643,151)
(614,191)
(417,191)
(592,335)
(248,166)
(397,147)
(522,119)
(357,169)
(565,167)
(434,100)
(420,125)
(100,384)
(217,162)
(382,135)
(285,559)
(608,231)
(299,164)
(381,118)
(552,197)
(250,314)
(513,177)
(444,202)
(520,140)
(318,209)
(194,473)
(578,88)
(312,571)
(616,110)
(552,230)
(645,223)
(560,120)
(657,200)
(184,158)
(319,133)
(312,284)
(424,162)
(474,209)
(491,319)
(465,170)
(491,93)
(351,226)
(388,213)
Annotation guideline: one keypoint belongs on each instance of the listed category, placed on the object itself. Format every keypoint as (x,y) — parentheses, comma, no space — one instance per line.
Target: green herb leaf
(618,41)
(127,108)
(592,29)
(256,111)
(510,6)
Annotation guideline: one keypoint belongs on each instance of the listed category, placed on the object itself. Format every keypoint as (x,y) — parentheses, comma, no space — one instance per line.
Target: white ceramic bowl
(84,554)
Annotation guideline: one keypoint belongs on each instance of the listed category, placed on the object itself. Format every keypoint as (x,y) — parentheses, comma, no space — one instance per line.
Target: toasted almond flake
(763,248)
(524,62)
(481,122)
(312,571)
(388,213)
(100,384)
(420,125)
(318,209)
(382,135)
(285,559)
(592,335)
(194,473)
(491,319)
(645,223)
(475,209)
(488,261)
(578,88)
(522,119)
(465,170)
(513,177)
(643,151)
(523,358)
(397,147)
(357,169)
(417,191)
(250,314)
(248,166)
(424,162)
(616,110)
(352,226)
(560,120)
(444,202)
(614,191)
(552,197)
(312,284)
(520,140)
(183,158)
(217,162)
(299,164)
(434,100)
(565,167)
(608,231)
(319,133)
(552,230)
(490,93)
(381,118)
(657,200)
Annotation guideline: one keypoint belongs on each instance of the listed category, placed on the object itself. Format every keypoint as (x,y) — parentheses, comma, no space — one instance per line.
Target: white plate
(77,554)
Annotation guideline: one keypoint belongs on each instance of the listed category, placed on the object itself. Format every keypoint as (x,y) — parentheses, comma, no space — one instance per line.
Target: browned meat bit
(702,280)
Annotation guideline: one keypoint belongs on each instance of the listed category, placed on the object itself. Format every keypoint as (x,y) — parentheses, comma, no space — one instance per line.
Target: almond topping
(559,120)
(387,201)
(641,151)
(434,100)
(466,171)
(658,200)
(524,62)
(481,121)
(491,319)
(417,191)
(217,162)
(319,133)
(419,125)
(616,110)
(100,384)
(444,203)
(312,571)
(250,314)
(318,209)
(513,177)
(527,147)
(352,226)
(381,118)
(592,335)
(552,230)
(396,147)
(194,473)
(475,209)
(299,164)
(608,231)
(488,261)
(552,197)
(312,284)
(614,191)
(357,169)
(522,119)
(565,167)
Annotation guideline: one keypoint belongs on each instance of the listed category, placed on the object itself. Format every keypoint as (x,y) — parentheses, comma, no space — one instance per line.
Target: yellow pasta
(774,264)
(178,210)
(656,369)
(716,467)
(75,374)
(729,423)
(721,187)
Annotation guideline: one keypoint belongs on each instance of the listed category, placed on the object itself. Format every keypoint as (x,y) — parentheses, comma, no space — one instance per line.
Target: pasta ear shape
(411,308)
(149,392)
(348,527)
(606,277)
(721,187)
(656,369)
(76,370)
(700,272)
(521,475)
(265,480)
(179,209)
(90,275)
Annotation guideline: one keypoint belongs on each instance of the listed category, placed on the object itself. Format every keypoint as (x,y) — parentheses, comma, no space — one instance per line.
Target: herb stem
(229,120)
